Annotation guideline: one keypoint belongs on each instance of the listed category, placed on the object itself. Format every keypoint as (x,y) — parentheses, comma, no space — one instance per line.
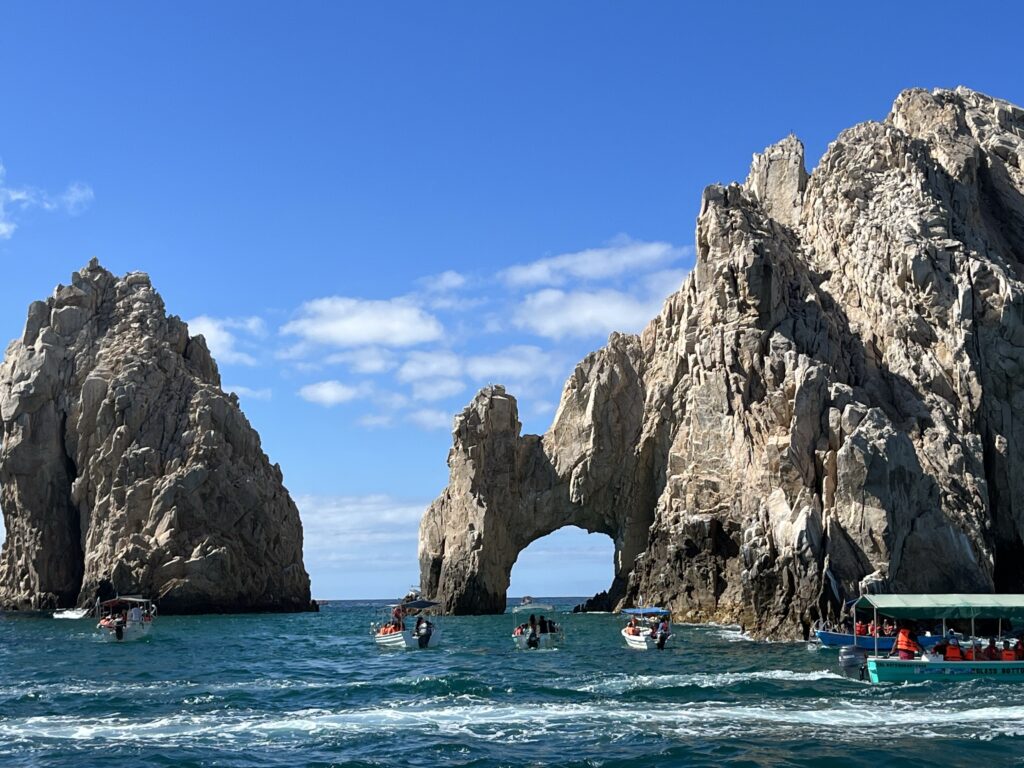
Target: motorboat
(832,639)
(72,613)
(963,608)
(537,633)
(126,617)
(649,628)
(395,631)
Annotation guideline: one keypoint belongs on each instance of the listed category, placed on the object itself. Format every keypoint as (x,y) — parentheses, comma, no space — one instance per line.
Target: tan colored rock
(832,401)
(125,468)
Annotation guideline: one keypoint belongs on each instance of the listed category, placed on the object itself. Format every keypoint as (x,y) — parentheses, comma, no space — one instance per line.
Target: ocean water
(313,689)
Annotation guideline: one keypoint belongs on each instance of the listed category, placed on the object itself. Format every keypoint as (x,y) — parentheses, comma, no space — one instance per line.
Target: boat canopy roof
(953,606)
(415,605)
(533,607)
(649,611)
(127,599)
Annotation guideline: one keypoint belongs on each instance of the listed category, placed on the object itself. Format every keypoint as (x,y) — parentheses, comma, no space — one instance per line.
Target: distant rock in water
(832,401)
(125,468)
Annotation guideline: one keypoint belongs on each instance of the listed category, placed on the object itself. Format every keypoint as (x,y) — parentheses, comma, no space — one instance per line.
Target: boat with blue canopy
(831,639)
(648,628)
(962,608)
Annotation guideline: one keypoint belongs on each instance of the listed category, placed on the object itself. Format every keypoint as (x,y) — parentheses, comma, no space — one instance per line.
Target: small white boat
(394,632)
(72,613)
(648,629)
(126,618)
(536,633)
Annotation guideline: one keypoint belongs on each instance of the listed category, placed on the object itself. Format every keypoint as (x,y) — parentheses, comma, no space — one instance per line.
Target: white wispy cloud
(557,314)
(429,364)
(332,392)
(449,280)
(431,418)
(264,393)
(623,255)
(521,362)
(338,531)
(436,389)
(223,334)
(348,322)
(364,359)
(13,200)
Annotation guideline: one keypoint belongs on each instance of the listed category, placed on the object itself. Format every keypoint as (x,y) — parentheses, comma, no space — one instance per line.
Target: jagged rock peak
(831,402)
(125,468)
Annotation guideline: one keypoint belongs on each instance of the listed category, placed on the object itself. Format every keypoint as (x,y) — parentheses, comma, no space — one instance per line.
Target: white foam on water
(853,721)
(617,684)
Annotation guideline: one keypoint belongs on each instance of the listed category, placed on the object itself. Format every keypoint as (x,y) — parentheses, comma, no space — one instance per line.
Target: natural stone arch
(568,561)
(506,490)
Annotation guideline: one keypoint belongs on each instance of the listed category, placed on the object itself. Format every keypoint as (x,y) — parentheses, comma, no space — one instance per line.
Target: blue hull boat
(867,642)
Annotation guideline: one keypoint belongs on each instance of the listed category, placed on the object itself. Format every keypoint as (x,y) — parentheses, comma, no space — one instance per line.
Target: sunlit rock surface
(834,395)
(125,468)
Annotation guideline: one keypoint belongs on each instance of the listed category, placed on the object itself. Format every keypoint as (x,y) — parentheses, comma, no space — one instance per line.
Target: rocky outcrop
(832,401)
(125,468)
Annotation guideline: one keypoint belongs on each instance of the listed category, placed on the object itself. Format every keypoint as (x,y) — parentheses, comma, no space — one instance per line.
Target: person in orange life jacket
(991,652)
(860,628)
(1008,653)
(969,652)
(872,629)
(906,645)
(952,651)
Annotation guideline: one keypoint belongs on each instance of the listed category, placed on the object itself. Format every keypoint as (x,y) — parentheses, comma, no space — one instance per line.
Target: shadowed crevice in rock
(125,468)
(831,402)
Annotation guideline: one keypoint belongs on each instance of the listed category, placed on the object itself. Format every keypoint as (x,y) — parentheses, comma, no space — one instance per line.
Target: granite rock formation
(125,468)
(832,402)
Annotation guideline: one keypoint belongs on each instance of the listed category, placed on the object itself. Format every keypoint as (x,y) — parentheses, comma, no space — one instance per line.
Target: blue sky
(373,209)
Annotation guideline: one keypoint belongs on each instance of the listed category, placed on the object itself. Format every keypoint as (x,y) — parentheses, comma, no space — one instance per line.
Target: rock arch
(506,490)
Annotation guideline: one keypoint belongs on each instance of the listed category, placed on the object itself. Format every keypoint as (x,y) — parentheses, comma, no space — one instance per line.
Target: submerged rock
(832,401)
(125,468)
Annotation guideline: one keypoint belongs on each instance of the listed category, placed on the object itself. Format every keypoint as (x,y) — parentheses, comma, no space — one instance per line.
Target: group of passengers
(951,649)
(654,627)
(535,627)
(886,629)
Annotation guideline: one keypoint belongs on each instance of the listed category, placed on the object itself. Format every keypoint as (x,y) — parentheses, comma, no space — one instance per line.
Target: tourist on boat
(1008,653)
(860,628)
(906,645)
(398,618)
(951,650)
(888,628)
(542,625)
(991,651)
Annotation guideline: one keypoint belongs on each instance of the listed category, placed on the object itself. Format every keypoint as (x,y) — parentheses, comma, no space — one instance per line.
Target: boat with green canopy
(961,608)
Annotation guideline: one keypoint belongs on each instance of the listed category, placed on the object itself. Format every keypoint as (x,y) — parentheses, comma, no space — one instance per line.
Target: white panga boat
(396,632)
(126,618)
(649,628)
(72,613)
(536,632)
(961,608)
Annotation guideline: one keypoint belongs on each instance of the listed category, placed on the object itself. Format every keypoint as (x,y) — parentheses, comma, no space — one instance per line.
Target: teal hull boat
(883,670)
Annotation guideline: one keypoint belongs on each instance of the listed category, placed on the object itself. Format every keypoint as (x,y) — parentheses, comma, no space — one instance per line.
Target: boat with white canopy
(407,627)
(536,632)
(648,628)
(126,618)
(963,609)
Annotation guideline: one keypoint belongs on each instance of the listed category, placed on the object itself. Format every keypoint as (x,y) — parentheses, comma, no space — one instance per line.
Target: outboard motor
(853,662)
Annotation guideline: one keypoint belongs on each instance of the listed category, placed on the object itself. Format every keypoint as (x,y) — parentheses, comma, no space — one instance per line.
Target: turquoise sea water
(313,689)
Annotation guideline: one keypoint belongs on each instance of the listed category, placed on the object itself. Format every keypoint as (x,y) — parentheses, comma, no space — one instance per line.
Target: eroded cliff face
(125,468)
(832,400)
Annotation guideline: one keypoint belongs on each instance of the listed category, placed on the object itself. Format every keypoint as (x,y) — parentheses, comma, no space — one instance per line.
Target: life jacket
(952,653)
(969,653)
(1009,654)
(904,642)
(860,628)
